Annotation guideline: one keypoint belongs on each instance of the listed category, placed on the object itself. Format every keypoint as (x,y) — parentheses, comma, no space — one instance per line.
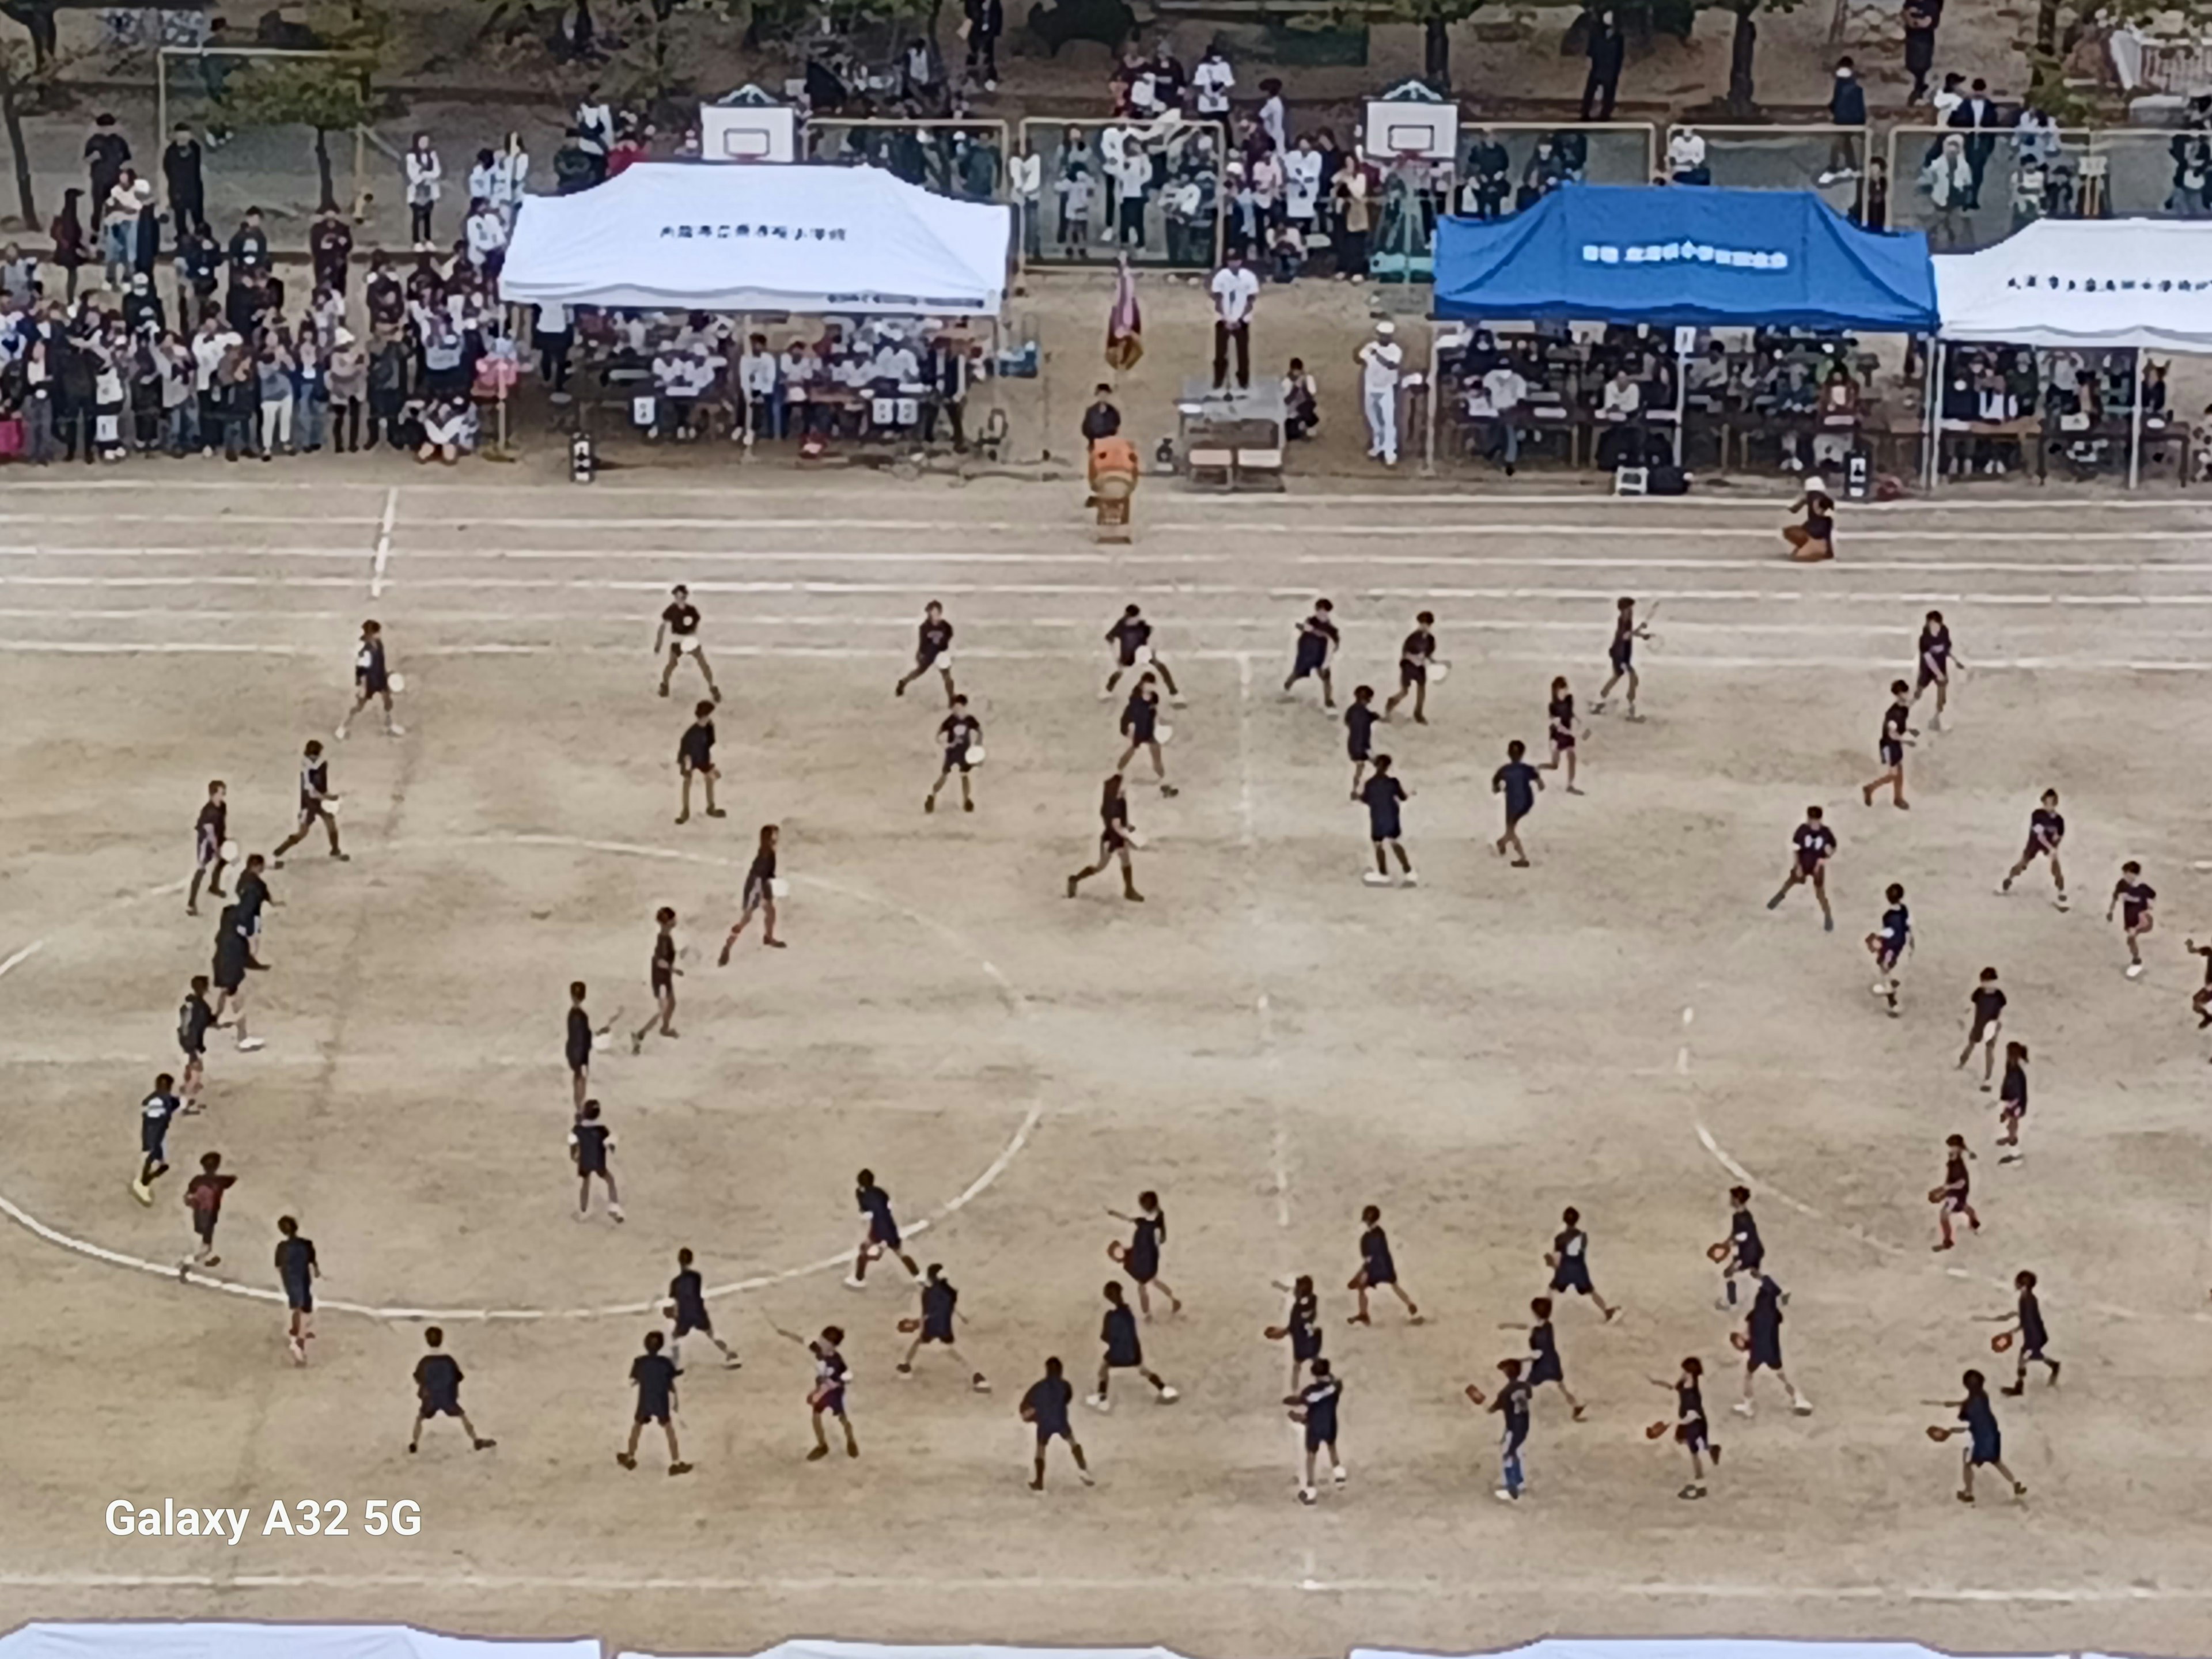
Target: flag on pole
(1125,324)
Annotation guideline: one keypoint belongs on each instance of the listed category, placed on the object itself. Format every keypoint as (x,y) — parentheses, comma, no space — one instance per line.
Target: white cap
(1386,328)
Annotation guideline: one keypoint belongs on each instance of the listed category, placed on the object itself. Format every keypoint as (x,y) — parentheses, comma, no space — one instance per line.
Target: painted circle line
(1016,1004)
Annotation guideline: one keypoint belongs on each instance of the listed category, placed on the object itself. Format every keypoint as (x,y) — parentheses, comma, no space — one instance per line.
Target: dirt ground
(1268,1042)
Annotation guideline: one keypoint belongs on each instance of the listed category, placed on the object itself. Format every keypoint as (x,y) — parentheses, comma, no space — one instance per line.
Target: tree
(11,116)
(328,95)
(1743,45)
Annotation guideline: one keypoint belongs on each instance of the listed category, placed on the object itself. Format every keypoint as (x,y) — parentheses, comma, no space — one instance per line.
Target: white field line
(383,544)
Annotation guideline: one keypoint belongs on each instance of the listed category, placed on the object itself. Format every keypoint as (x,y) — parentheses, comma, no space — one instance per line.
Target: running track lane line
(383,544)
(1017,1005)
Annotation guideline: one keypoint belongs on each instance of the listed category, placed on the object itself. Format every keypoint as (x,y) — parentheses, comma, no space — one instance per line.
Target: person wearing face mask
(1847,107)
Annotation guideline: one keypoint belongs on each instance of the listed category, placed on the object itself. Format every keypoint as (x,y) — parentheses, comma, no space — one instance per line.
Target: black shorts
(1123,1359)
(1306,1343)
(1563,741)
(192,1051)
(956,760)
(1317,1438)
(882,1231)
(1693,1433)
(1382,830)
(1891,752)
(1766,1355)
(1111,842)
(300,1297)
(757,893)
(1047,1433)
(932,1333)
(203,1223)
(444,1404)
(647,1415)
(580,1063)
(1622,658)
(1547,1370)
(1412,673)
(1809,868)
(371,686)
(1143,1269)
(2035,849)
(1983,1029)
(1312,657)
(310,811)
(208,852)
(229,979)
(1358,752)
(1928,677)
(1571,1274)
(689,1320)
(663,982)
(592,1166)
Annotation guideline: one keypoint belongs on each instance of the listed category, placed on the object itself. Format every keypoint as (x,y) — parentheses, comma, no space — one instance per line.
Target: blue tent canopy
(1679,255)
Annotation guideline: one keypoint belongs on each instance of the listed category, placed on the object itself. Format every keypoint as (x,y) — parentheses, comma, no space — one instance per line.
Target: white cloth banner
(1686,1648)
(2084,283)
(243,1641)
(880,1650)
(729,237)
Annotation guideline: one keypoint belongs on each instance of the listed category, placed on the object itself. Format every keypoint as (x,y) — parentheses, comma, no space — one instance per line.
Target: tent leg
(1931,445)
(1429,435)
(1681,394)
(744,397)
(2135,434)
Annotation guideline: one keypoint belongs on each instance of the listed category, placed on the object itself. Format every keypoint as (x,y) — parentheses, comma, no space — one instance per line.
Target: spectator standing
(1686,158)
(249,244)
(118,228)
(1608,50)
(67,233)
(756,384)
(1210,84)
(510,177)
(1355,213)
(1274,115)
(425,184)
(1977,116)
(986,22)
(330,250)
(1235,291)
(1026,174)
(1301,186)
(387,386)
(273,372)
(1847,107)
(1506,391)
(485,234)
(1921,17)
(348,391)
(180,172)
(1170,82)
(1948,183)
(106,152)
(311,392)
(1381,361)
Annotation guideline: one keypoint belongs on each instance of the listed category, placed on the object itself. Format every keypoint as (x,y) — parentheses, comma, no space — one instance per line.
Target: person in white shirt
(757,383)
(1381,361)
(510,177)
(1302,184)
(1132,180)
(486,230)
(1026,174)
(425,176)
(1623,402)
(796,370)
(444,432)
(670,375)
(1274,114)
(483,177)
(1235,289)
(1506,391)
(595,128)
(1686,158)
(1212,81)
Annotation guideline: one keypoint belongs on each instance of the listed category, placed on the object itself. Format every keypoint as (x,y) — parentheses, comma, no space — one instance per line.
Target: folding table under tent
(1681,256)
(2089,284)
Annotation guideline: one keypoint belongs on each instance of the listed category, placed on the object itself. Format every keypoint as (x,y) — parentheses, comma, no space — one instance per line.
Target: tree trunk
(11,116)
(1435,54)
(329,203)
(2046,28)
(1741,100)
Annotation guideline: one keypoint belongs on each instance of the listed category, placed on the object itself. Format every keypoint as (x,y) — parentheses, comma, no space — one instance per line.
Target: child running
(1124,1351)
(1131,639)
(1383,794)
(1691,1430)
(203,1198)
(2045,830)
(210,836)
(1952,1198)
(1116,838)
(156,1114)
(1626,630)
(1140,1257)
(1984,1441)
(1560,716)
(1378,1269)
(686,1308)
(961,735)
(940,1306)
(194,1019)
(760,894)
(316,805)
(1544,1363)
(297,1270)
(2025,1329)
(933,649)
(1936,658)
(661,974)
(2132,897)
(372,682)
(1140,725)
(1888,943)
(1987,1024)
(1415,653)
(1761,1342)
(1314,1408)
(1317,643)
(1359,733)
(879,1234)
(1814,844)
(1518,781)
(1890,747)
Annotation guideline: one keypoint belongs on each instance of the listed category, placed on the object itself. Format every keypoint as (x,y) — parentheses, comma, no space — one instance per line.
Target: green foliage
(327,94)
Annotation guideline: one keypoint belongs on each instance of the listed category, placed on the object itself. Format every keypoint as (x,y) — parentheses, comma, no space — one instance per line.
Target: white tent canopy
(2140,283)
(719,236)
(1694,1647)
(816,1649)
(241,1641)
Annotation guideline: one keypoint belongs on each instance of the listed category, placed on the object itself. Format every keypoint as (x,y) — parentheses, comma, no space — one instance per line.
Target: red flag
(1125,324)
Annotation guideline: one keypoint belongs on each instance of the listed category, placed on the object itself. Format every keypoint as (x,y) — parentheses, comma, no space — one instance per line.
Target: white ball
(398,683)
(228,852)
(943,661)
(331,805)
(778,887)
(1439,673)
(974,754)
(1165,733)
(1142,656)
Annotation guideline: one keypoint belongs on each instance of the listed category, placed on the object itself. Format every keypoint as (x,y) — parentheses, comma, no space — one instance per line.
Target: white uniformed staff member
(1380,360)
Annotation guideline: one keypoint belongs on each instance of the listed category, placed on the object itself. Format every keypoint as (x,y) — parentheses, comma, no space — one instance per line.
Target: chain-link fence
(1106,189)
(1969,188)
(966,160)
(1504,165)
(1830,160)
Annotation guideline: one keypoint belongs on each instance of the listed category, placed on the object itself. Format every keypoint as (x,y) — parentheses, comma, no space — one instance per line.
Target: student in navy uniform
(1140,1257)
(1890,746)
(1569,1260)
(227,971)
(826,1398)
(1124,1351)
(1761,1341)
(1317,643)
(940,1306)
(1814,844)
(694,757)
(210,831)
(1560,714)
(591,1143)
(2046,830)
(933,649)
(194,1017)
(1743,1251)
(1383,794)
(1314,1408)
(1415,653)
(686,1309)
(1953,1197)
(1131,639)
(2028,1332)
(155,1114)
(2132,897)
(1977,1421)
(1378,1269)
(1140,720)
(759,895)
(203,1198)
(249,898)
(1987,1001)
(372,682)
(1301,1324)
(1513,1402)
(315,799)
(2012,1099)
(576,1045)
(654,1374)
(677,636)
(1115,837)
(958,733)
(438,1392)
(2200,1003)
(1935,659)
(1359,733)
(880,1233)
(1544,1363)
(1045,1406)
(1888,943)
(1691,1430)
(297,1270)
(1622,655)
(1518,781)
(661,974)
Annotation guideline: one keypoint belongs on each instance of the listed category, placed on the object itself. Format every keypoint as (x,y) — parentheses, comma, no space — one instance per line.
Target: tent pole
(744,397)
(1931,457)
(1681,388)
(1436,368)
(2134,435)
